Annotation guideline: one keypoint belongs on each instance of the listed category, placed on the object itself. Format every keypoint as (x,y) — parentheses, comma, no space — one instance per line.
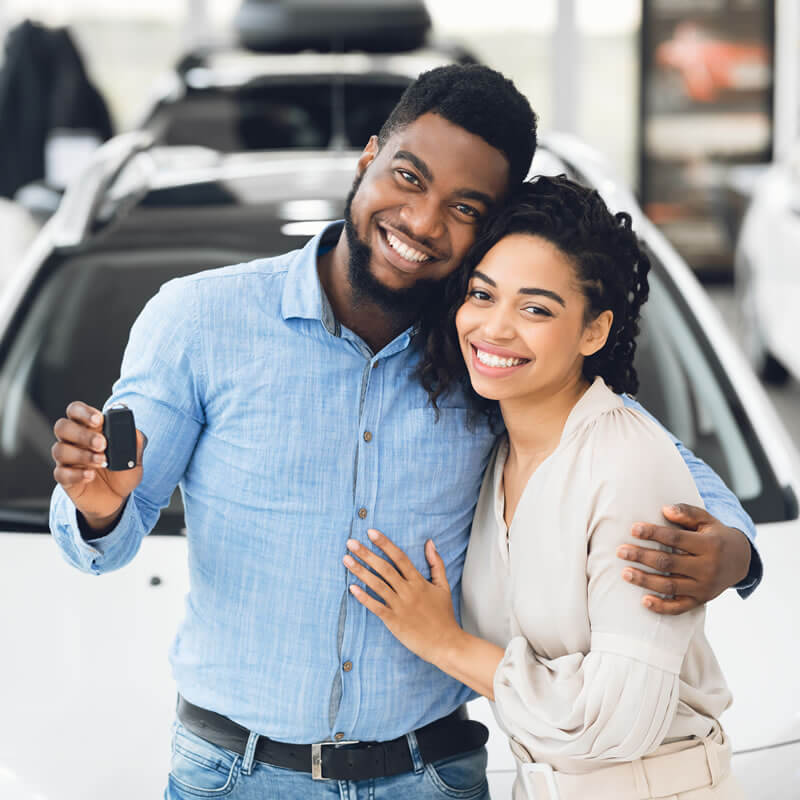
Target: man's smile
(402,252)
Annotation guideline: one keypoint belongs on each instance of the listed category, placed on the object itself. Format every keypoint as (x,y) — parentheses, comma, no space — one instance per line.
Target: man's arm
(98,520)
(717,544)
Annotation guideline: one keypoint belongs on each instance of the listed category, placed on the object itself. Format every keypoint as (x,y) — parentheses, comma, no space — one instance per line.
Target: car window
(68,347)
(69,342)
(684,386)
(305,114)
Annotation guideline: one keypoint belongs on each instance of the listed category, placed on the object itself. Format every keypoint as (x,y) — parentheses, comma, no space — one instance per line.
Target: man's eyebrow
(474,194)
(524,290)
(416,161)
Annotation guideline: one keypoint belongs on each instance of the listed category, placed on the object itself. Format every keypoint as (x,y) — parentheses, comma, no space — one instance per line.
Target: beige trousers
(685,770)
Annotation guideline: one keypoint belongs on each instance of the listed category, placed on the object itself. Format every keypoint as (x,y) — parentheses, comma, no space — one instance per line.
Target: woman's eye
(538,311)
(479,294)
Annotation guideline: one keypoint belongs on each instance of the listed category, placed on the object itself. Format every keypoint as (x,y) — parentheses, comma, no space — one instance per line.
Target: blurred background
(145,140)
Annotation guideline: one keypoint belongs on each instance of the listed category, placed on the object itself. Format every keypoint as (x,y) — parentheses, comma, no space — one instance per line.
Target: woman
(599,697)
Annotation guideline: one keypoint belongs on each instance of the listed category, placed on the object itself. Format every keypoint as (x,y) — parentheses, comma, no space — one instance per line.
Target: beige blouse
(589,675)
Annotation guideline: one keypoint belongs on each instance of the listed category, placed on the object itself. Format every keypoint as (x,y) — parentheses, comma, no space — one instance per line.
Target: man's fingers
(400,559)
(686,516)
(72,476)
(69,455)
(676,605)
(660,560)
(688,541)
(67,430)
(85,414)
(662,584)
(368,578)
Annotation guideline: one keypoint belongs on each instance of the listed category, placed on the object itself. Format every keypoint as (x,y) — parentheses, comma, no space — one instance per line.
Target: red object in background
(709,66)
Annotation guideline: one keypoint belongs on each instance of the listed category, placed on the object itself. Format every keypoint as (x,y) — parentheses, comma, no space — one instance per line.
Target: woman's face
(521,327)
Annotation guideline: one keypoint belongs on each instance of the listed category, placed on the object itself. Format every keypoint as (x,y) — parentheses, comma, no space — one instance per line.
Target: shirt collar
(303,295)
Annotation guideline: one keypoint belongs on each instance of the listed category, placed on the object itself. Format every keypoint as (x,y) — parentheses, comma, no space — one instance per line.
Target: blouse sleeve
(617,701)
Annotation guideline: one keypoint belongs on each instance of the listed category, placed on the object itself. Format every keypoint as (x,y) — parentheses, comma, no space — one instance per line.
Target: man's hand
(98,493)
(709,558)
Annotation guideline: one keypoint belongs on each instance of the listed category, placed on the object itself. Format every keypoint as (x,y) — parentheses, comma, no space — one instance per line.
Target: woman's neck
(535,422)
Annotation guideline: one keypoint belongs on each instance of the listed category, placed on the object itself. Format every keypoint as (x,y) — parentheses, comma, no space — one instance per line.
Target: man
(281,394)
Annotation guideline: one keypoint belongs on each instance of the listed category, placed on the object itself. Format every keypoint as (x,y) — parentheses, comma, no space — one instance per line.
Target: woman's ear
(367,155)
(596,333)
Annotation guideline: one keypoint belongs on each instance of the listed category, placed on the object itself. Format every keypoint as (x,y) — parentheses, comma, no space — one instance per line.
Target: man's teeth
(495,361)
(408,253)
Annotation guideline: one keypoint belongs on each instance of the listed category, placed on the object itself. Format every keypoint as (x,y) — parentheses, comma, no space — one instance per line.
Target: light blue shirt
(287,436)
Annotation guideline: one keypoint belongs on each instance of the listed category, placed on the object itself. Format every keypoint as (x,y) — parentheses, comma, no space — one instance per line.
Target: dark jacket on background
(43,86)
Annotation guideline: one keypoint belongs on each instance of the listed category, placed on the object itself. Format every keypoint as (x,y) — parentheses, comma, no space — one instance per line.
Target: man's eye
(469,211)
(409,176)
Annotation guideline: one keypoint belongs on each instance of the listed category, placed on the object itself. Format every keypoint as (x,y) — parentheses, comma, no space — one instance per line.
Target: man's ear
(596,334)
(367,155)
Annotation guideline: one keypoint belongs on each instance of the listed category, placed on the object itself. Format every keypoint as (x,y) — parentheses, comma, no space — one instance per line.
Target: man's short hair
(479,100)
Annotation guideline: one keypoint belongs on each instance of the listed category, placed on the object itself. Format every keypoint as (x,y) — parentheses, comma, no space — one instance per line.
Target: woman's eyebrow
(524,290)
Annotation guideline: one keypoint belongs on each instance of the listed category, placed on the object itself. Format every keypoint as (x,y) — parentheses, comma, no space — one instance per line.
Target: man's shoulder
(212,280)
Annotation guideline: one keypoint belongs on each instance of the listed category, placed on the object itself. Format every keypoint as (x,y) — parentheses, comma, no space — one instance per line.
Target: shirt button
(367,436)
(347,666)
(362,512)
(339,737)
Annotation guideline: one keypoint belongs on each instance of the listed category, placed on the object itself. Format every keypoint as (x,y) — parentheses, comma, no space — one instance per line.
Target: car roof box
(384,26)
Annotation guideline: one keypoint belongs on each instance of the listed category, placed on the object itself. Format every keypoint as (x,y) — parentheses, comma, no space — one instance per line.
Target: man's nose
(423,218)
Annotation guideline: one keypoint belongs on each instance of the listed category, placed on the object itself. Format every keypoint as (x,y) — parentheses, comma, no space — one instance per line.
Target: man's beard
(366,286)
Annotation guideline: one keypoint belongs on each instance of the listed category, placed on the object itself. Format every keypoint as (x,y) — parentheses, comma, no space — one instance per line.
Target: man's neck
(373,323)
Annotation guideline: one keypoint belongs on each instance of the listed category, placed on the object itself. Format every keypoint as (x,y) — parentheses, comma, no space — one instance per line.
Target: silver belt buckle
(546,772)
(316,757)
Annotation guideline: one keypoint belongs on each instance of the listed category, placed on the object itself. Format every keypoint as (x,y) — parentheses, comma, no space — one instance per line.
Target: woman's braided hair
(610,268)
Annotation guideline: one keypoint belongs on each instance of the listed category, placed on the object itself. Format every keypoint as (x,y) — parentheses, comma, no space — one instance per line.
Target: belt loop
(640,779)
(416,756)
(249,753)
(712,759)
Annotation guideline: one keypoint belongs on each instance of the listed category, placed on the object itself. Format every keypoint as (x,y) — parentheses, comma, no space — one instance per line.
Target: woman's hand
(417,611)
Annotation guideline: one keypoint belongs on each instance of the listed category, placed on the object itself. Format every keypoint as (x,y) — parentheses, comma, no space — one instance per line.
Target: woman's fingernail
(648,603)
(372,534)
(623,552)
(627,574)
(352,544)
(348,562)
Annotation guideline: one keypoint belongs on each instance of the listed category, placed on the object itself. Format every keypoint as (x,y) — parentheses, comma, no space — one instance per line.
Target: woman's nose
(498,323)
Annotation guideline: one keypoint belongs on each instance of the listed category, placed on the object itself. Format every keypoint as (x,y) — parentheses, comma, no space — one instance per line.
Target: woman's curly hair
(610,268)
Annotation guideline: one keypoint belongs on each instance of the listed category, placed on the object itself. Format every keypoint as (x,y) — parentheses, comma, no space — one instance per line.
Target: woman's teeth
(408,253)
(495,361)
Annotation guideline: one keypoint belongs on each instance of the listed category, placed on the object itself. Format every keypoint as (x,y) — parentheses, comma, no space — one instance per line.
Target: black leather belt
(345,761)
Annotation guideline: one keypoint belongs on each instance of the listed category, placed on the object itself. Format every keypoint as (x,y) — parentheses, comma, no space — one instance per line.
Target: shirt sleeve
(618,700)
(719,501)
(162,382)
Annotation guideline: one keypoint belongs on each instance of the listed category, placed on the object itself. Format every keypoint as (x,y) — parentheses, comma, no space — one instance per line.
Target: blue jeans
(203,770)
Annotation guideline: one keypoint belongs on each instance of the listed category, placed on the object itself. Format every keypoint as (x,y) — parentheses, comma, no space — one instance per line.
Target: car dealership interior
(149,141)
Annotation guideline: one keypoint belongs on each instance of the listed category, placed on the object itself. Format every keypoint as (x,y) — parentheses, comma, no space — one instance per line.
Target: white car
(86,697)
(767,272)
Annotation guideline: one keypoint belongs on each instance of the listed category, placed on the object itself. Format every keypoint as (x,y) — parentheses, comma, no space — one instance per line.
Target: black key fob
(120,432)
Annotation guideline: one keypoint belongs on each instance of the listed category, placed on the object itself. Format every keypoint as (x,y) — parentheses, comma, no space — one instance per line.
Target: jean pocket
(462,776)
(200,768)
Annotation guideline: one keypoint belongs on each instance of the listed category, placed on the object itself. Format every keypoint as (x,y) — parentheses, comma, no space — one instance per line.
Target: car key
(120,432)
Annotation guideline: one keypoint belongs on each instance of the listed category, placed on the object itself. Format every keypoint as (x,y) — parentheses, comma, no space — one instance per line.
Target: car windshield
(68,340)
(306,113)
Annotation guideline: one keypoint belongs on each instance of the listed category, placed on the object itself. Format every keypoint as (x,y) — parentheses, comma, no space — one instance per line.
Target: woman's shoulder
(623,441)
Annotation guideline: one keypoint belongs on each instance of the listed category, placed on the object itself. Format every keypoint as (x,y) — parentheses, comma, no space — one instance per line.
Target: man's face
(415,209)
